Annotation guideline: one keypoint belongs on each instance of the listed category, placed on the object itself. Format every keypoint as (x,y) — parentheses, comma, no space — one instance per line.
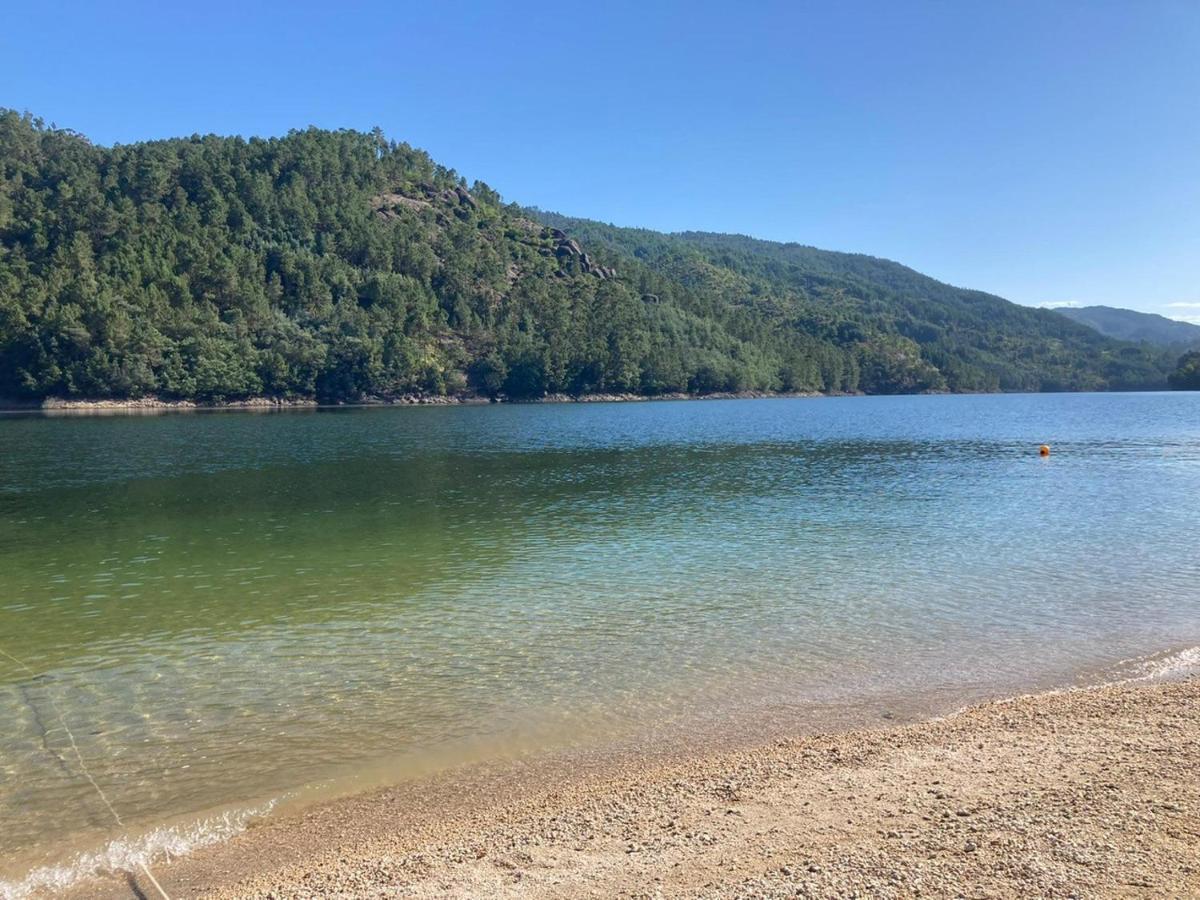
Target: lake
(225,608)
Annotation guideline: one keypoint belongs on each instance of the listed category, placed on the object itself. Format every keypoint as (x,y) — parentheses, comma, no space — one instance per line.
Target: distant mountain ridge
(1131,325)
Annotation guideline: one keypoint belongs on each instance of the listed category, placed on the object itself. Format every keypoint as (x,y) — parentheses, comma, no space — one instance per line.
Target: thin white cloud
(1059,304)
(1183,306)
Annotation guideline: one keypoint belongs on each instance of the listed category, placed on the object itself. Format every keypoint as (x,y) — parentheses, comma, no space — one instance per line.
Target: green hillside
(1186,376)
(906,331)
(1131,325)
(340,265)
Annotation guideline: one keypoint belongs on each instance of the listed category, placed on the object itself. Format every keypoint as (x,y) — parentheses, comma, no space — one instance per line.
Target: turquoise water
(225,606)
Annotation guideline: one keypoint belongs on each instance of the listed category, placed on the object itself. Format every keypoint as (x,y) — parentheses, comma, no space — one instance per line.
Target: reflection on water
(226,606)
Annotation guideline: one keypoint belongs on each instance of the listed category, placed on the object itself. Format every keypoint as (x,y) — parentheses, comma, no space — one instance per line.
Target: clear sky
(1046,151)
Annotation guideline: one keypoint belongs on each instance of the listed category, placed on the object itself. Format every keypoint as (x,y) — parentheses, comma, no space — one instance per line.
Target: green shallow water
(226,606)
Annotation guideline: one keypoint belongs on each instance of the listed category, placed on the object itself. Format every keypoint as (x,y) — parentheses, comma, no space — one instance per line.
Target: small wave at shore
(128,854)
(1161,666)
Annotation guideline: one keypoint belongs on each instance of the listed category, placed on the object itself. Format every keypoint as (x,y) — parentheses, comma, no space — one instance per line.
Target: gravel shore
(57,405)
(1086,793)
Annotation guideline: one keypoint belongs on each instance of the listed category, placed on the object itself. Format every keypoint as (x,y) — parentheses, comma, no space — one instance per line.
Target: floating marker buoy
(1044,450)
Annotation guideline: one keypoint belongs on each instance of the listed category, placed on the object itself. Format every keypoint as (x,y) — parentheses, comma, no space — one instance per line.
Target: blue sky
(1046,151)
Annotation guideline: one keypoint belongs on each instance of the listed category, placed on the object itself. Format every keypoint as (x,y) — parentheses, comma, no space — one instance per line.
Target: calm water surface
(222,607)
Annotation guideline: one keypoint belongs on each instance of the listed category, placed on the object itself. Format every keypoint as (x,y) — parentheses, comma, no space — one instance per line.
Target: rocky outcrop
(151,403)
(388,205)
(455,196)
(465,199)
(549,242)
(568,249)
(553,242)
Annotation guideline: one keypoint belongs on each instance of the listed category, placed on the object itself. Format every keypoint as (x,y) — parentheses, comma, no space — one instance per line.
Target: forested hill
(906,331)
(1131,325)
(340,265)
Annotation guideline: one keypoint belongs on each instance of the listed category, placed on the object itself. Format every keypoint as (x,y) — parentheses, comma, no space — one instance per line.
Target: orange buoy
(1044,450)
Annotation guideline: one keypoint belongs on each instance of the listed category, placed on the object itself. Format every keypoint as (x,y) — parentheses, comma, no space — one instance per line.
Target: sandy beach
(1088,792)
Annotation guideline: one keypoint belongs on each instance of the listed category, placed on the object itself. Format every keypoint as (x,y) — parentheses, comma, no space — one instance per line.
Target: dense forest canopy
(340,265)
(1186,376)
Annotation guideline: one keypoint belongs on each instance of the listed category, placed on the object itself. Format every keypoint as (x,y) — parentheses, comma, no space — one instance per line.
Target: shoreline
(153,405)
(57,405)
(1072,790)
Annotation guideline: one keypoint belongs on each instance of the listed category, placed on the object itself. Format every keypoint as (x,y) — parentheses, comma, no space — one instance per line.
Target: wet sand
(1089,792)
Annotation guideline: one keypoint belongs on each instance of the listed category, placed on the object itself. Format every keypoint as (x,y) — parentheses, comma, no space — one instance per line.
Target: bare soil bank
(1080,793)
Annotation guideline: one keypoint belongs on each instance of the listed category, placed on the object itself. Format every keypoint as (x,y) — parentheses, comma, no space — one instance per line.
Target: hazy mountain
(1131,325)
